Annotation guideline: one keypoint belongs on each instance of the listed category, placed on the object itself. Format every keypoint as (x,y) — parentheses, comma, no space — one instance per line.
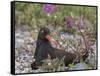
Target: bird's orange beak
(51,39)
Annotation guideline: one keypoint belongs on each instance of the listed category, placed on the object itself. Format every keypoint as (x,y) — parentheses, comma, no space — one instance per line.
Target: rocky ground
(24,52)
(24,48)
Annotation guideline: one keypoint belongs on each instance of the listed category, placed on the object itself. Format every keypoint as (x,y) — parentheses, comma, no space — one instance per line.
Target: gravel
(24,52)
(23,57)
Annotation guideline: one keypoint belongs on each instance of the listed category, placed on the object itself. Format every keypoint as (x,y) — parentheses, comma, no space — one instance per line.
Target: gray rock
(79,66)
(92,57)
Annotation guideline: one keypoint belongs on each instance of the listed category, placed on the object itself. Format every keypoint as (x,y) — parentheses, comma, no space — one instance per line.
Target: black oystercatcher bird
(44,48)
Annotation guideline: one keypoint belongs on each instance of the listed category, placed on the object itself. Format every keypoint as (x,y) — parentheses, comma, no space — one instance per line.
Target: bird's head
(44,34)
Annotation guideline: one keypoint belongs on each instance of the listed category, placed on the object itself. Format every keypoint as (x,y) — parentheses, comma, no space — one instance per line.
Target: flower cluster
(68,21)
(48,8)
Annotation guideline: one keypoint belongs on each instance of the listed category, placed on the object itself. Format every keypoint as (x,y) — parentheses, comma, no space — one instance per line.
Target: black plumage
(44,48)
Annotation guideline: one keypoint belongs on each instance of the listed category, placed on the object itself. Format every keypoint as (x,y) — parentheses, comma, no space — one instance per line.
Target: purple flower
(68,21)
(48,8)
